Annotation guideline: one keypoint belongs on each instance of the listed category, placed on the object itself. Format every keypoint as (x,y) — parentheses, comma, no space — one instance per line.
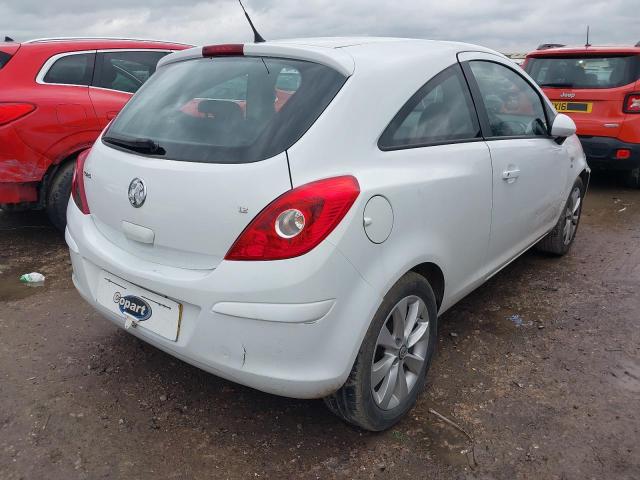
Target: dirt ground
(540,366)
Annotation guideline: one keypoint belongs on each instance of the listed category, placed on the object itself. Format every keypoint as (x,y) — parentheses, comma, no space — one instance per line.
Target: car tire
(559,240)
(374,407)
(632,178)
(58,195)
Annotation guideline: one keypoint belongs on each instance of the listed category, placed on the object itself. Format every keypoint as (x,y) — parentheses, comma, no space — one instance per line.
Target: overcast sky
(506,25)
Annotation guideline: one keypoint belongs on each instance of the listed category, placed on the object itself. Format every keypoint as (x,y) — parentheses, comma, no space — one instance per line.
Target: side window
(513,107)
(75,69)
(125,71)
(441,111)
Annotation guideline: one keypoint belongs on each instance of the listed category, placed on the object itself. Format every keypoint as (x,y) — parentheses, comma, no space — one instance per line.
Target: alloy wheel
(572,216)
(400,353)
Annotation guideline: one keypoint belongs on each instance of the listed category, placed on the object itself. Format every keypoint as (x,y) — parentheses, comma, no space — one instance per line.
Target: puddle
(12,289)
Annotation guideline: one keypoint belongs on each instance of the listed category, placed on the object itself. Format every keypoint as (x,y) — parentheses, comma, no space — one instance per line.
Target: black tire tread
(58,195)
(348,402)
(553,243)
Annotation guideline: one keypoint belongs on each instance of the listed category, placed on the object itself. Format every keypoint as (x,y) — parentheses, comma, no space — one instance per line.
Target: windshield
(583,72)
(224,110)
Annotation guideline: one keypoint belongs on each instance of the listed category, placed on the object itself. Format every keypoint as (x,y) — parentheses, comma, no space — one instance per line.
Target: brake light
(227,50)
(297,221)
(10,112)
(77,184)
(632,103)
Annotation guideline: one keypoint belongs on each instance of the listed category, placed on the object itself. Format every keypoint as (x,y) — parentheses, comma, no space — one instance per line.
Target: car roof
(374,42)
(584,50)
(77,43)
(343,53)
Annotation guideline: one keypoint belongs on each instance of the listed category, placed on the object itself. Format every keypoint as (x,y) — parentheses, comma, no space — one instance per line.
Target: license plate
(140,308)
(573,107)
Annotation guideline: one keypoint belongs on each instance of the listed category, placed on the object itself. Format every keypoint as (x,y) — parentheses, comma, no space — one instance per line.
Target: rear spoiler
(335,58)
(638,44)
(9,48)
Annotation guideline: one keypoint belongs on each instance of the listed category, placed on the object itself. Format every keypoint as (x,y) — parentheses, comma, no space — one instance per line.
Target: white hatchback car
(294,215)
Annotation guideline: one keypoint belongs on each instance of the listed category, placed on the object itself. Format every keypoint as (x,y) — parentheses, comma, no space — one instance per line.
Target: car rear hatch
(199,151)
(591,88)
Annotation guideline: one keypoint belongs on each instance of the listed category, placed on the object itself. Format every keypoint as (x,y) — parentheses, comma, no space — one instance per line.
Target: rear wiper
(140,145)
(557,85)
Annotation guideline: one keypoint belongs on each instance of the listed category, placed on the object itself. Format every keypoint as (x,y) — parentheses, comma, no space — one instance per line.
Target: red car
(599,87)
(56,96)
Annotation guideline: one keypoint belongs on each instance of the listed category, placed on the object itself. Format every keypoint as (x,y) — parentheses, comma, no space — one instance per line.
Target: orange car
(599,87)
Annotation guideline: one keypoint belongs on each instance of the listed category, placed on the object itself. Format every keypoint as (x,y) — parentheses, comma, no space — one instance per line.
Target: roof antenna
(8,39)
(587,45)
(257,38)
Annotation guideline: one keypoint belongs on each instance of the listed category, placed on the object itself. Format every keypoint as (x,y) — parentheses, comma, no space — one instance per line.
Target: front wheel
(392,364)
(559,240)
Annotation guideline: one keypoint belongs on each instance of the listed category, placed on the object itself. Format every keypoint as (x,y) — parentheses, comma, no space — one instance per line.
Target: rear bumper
(291,328)
(601,153)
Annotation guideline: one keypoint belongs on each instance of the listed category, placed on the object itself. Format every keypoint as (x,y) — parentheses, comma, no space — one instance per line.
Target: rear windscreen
(224,110)
(584,71)
(4,58)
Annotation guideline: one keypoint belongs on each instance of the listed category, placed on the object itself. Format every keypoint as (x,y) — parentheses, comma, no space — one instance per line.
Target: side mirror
(563,126)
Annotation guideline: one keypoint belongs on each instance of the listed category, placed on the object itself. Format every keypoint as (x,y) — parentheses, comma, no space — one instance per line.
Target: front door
(529,167)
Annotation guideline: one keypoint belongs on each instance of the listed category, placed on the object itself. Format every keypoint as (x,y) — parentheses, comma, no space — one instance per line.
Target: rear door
(118,75)
(590,88)
(529,167)
(65,115)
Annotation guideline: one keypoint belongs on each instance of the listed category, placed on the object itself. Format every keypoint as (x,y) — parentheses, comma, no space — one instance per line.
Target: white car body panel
(294,327)
(214,193)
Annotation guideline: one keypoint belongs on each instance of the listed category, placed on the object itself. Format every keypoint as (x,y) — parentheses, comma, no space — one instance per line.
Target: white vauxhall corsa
(294,215)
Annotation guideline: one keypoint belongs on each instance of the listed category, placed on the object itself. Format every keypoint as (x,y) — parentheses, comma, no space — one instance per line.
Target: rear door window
(73,69)
(584,71)
(440,112)
(224,110)
(513,107)
(125,71)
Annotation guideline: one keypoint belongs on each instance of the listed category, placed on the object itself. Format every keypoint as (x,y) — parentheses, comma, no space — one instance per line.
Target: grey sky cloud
(507,25)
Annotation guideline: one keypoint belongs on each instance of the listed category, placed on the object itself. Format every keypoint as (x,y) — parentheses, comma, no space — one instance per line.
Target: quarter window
(440,112)
(75,69)
(125,71)
(513,107)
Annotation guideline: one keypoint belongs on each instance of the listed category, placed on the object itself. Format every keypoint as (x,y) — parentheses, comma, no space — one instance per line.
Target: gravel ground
(540,366)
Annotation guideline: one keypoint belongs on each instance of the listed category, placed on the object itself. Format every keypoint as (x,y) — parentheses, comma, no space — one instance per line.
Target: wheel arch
(585,176)
(52,170)
(435,276)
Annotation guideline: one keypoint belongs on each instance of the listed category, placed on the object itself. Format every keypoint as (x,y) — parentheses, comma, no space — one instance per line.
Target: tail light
(77,184)
(227,50)
(297,221)
(623,154)
(10,112)
(632,103)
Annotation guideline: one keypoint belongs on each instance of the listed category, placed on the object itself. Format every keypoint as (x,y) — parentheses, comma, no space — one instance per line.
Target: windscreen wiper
(140,145)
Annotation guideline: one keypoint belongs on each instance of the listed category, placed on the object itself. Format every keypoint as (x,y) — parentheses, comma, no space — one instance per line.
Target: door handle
(510,175)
